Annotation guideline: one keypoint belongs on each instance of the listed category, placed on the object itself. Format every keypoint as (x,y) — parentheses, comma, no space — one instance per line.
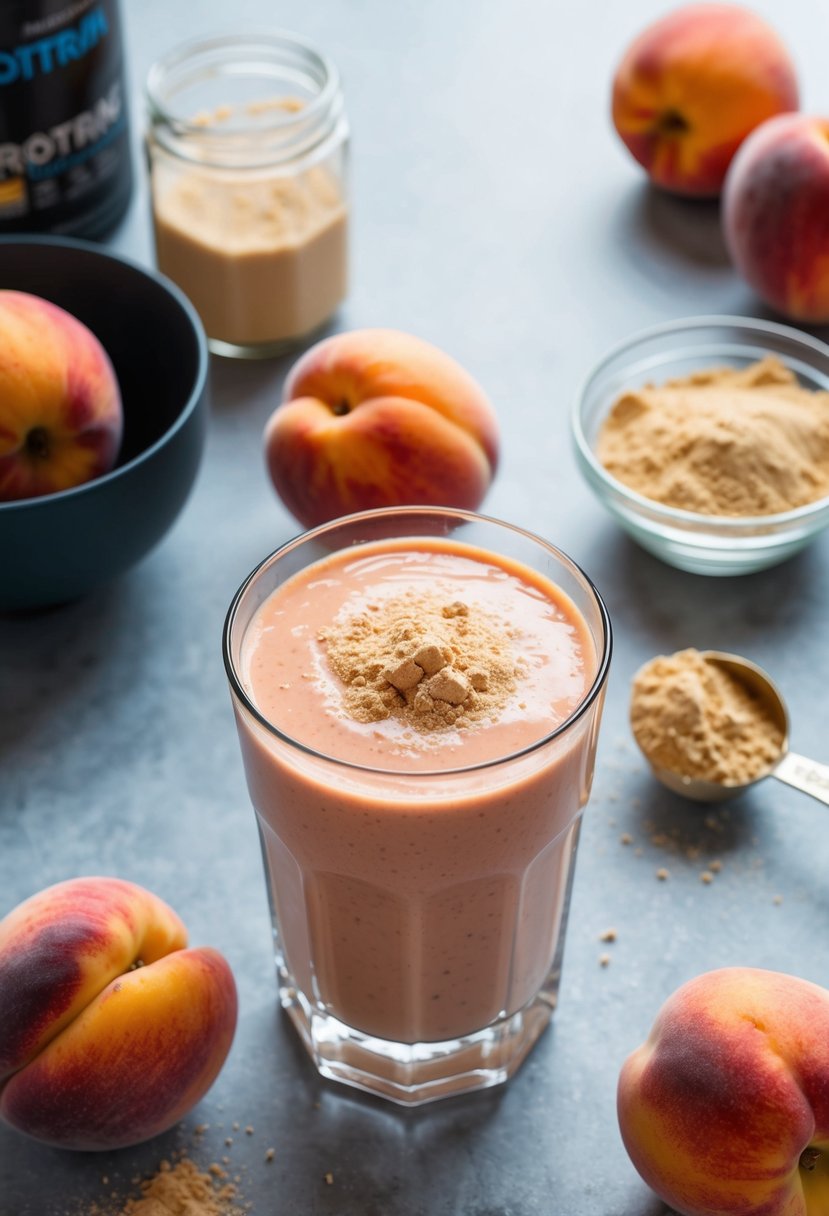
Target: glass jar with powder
(247,150)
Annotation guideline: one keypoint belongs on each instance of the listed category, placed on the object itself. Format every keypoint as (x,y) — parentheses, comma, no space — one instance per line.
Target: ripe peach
(110,1030)
(60,406)
(725,1107)
(691,87)
(776,214)
(378,418)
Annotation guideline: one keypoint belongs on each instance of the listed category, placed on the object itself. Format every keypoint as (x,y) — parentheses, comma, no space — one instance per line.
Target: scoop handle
(806,775)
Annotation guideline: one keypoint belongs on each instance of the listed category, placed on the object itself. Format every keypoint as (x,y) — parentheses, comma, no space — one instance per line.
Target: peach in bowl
(103,369)
(740,350)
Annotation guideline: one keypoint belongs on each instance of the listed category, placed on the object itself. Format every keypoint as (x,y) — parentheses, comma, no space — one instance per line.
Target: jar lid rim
(257,40)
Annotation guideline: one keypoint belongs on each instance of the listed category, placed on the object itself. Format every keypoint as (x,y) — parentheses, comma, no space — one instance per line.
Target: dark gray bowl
(61,546)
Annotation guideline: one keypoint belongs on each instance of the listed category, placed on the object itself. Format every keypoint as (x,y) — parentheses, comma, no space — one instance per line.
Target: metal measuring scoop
(806,775)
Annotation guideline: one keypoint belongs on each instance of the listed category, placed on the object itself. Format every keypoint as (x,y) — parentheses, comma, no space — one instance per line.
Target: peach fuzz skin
(378,418)
(61,416)
(776,215)
(110,1029)
(692,86)
(725,1107)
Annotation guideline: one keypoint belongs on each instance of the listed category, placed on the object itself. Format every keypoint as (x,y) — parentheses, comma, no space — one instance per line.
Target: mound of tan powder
(431,662)
(724,441)
(695,719)
(179,1189)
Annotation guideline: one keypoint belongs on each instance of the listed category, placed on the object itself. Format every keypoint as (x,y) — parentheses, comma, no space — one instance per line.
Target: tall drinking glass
(419,913)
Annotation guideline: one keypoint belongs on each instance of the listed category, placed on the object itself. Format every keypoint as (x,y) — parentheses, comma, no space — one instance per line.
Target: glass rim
(326,104)
(730,525)
(587,701)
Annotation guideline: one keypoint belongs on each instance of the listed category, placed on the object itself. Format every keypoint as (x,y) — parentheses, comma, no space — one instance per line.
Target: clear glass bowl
(702,544)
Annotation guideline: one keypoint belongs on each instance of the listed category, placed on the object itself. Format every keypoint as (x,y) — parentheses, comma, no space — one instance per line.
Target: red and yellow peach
(61,417)
(692,86)
(725,1107)
(776,215)
(110,1029)
(379,418)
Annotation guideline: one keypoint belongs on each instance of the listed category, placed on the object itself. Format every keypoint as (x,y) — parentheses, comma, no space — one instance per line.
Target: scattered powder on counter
(179,1189)
(694,718)
(431,663)
(724,441)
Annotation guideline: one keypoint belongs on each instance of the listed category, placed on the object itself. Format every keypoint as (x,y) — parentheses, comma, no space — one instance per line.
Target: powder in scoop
(726,441)
(694,718)
(428,661)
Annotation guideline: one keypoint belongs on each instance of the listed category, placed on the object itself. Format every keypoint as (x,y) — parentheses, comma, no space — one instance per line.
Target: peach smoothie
(418,726)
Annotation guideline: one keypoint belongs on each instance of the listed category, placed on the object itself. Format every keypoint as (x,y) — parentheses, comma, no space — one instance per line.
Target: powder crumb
(270,1153)
(662,874)
(625,838)
(777,901)
(715,866)
(722,441)
(609,935)
(706,877)
(604,960)
(182,1190)
(248,1130)
(698,719)
(329,1179)
(428,663)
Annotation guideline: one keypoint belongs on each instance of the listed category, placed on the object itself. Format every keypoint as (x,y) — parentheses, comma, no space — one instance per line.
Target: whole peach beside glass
(776,215)
(61,417)
(725,1107)
(691,87)
(110,1029)
(379,418)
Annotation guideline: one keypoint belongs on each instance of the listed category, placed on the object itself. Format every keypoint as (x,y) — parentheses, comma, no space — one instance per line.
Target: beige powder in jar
(263,258)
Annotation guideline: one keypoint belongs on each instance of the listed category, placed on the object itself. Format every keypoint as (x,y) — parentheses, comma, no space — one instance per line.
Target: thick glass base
(413,1073)
(256,350)
(264,350)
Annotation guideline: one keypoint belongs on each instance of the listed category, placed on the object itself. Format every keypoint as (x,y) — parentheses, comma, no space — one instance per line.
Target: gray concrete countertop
(497,215)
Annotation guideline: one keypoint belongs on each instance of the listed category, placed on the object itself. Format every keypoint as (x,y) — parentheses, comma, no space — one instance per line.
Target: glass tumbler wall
(247,148)
(419,916)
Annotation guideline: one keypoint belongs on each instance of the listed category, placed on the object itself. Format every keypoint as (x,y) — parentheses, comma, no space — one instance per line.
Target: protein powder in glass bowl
(64,141)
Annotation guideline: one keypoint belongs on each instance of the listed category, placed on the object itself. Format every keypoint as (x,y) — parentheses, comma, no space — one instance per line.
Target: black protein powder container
(65,163)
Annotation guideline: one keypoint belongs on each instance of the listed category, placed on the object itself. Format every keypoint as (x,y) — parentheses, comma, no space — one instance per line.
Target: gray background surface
(497,215)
